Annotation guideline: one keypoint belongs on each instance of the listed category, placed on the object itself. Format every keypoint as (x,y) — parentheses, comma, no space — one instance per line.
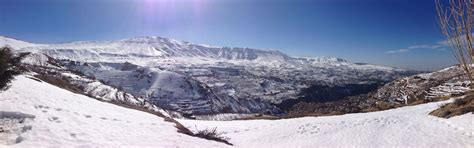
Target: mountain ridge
(219,79)
(156,46)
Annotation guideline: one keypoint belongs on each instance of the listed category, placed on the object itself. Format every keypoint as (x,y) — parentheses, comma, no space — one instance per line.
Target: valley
(203,79)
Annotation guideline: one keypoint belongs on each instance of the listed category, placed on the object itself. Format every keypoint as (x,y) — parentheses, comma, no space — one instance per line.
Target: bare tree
(456,21)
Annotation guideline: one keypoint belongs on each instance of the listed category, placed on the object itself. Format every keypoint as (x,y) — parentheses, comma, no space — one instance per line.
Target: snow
(223,116)
(402,127)
(448,89)
(62,118)
(154,49)
(167,89)
(37,60)
(234,75)
(14,43)
(462,121)
(57,117)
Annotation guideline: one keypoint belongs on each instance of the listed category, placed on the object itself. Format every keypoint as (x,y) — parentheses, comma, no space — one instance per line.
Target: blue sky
(400,33)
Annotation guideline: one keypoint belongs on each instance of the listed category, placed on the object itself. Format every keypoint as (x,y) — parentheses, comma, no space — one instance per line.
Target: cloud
(439,46)
(419,46)
(397,51)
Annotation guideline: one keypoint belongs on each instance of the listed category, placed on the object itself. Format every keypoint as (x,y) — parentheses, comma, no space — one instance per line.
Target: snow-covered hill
(443,83)
(48,116)
(15,44)
(402,127)
(221,79)
(43,115)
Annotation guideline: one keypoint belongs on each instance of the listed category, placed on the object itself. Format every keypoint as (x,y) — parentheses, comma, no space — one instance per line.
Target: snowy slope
(402,127)
(15,44)
(62,118)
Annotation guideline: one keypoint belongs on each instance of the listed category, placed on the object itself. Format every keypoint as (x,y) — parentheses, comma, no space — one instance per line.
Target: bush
(10,65)
(212,134)
(460,102)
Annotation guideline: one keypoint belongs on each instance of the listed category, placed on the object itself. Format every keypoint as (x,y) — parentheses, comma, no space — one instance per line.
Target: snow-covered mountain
(144,48)
(203,79)
(154,50)
(37,114)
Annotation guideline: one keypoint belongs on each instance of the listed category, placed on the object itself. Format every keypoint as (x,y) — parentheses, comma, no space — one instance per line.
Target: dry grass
(212,134)
(457,107)
(260,117)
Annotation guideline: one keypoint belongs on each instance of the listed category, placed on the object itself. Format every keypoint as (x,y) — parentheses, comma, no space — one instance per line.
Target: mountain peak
(154,39)
(325,59)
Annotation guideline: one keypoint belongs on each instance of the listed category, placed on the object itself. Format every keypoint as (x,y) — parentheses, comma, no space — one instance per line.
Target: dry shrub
(457,107)
(212,134)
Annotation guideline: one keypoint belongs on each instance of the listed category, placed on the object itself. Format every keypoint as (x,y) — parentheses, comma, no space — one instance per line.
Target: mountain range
(198,79)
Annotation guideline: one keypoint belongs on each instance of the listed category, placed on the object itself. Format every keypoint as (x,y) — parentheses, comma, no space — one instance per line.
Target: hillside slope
(15,44)
(50,116)
(402,127)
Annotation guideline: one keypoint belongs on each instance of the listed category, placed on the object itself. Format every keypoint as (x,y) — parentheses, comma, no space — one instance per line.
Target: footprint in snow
(40,107)
(54,119)
(455,127)
(469,134)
